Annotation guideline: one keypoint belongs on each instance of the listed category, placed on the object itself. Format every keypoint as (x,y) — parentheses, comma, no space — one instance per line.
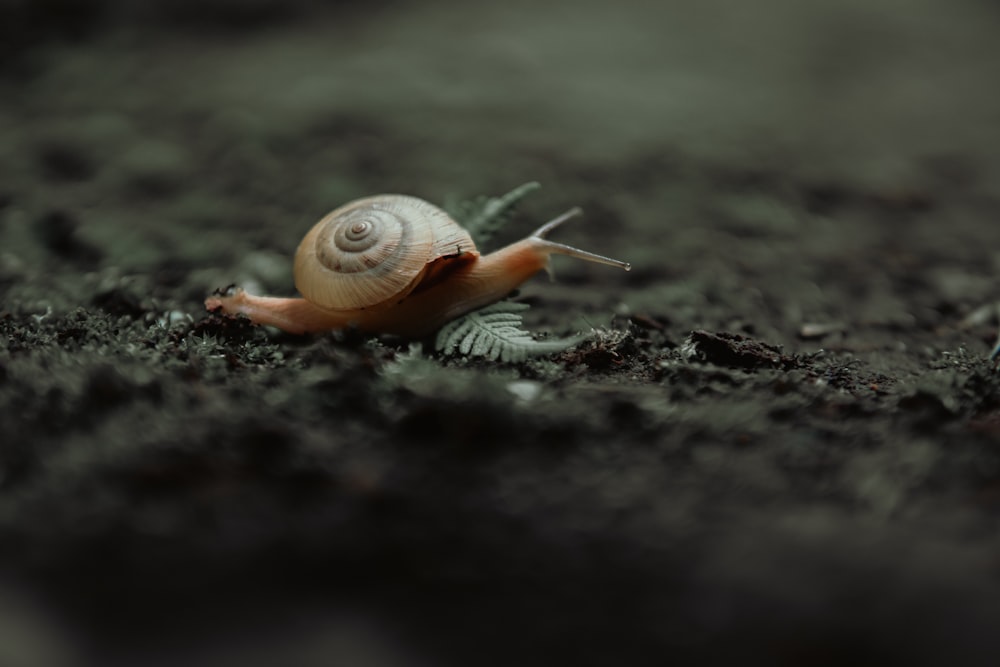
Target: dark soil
(780,445)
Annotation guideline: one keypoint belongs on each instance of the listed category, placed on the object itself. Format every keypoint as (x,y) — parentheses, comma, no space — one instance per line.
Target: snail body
(396,264)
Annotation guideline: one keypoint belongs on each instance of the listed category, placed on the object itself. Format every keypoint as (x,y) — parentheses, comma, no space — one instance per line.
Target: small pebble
(525,390)
(815,330)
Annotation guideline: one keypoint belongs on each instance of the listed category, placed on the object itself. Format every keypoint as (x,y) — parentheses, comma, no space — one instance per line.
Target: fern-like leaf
(483,217)
(495,332)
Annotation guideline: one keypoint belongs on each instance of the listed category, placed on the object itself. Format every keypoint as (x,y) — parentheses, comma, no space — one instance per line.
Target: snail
(396,264)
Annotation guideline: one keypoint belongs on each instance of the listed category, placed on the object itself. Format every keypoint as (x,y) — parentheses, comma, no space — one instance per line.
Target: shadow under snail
(396,264)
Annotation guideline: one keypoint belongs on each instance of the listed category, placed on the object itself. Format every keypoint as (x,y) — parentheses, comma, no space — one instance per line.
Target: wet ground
(780,445)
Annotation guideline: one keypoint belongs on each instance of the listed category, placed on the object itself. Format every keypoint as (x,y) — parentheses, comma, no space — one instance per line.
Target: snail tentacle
(562,249)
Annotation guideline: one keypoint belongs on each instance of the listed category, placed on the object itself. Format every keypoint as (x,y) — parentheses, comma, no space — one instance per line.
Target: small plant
(495,332)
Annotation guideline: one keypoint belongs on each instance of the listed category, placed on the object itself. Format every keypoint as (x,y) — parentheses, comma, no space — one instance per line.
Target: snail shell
(374,251)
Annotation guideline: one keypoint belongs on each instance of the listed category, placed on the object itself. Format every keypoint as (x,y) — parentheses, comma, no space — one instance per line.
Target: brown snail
(396,264)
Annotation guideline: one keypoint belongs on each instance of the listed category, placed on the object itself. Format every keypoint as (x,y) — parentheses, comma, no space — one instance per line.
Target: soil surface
(780,444)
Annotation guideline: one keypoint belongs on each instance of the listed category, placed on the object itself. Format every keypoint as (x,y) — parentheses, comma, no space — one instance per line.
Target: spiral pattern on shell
(374,250)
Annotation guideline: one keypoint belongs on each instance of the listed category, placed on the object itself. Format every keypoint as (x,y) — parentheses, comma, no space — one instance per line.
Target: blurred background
(763,165)
(229,116)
